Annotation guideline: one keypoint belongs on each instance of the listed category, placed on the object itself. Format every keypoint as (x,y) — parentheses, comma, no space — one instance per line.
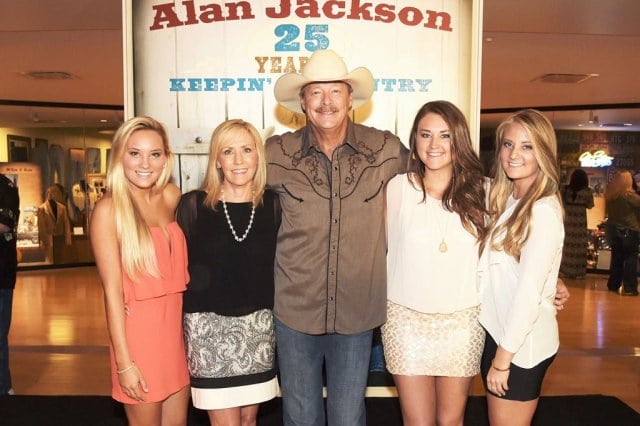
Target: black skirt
(524,383)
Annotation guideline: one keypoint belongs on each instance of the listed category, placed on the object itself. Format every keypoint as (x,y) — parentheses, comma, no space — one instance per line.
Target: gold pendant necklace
(437,208)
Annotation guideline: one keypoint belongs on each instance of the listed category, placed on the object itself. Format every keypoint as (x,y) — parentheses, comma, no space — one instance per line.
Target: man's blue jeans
(6,302)
(300,359)
(624,258)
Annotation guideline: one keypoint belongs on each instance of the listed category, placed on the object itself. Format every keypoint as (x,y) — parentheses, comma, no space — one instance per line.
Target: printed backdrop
(192,64)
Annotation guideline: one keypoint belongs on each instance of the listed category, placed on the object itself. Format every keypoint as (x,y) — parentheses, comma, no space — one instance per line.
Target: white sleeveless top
(419,275)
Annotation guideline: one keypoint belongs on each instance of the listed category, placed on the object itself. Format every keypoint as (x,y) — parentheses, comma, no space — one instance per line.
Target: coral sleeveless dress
(154,324)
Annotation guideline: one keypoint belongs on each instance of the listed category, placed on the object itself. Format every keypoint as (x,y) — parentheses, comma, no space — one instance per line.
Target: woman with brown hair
(435,223)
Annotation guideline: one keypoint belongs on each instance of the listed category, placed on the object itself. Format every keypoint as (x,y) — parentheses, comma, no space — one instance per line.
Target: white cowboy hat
(323,66)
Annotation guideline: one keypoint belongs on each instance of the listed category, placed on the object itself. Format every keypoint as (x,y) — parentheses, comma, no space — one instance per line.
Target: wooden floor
(58,339)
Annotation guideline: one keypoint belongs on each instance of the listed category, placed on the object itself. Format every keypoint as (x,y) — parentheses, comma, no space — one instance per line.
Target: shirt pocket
(376,192)
(292,194)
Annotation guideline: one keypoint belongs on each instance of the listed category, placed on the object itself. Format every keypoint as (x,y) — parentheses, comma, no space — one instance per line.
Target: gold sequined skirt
(416,343)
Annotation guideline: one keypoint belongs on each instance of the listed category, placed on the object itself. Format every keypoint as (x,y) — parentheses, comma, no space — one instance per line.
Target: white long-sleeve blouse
(517,307)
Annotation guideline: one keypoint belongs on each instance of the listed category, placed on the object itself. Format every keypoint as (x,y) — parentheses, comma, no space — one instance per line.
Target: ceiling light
(613,125)
(564,78)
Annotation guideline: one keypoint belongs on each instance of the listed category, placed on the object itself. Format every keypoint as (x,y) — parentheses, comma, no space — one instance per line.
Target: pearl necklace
(226,214)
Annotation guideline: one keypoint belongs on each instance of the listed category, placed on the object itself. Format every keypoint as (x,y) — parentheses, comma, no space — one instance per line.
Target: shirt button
(335,220)
(335,168)
(332,273)
(331,298)
(335,194)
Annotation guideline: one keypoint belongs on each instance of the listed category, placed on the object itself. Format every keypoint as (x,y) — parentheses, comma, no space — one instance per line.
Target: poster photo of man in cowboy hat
(330,268)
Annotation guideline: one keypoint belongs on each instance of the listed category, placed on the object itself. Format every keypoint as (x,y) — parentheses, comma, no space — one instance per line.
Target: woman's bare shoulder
(104,207)
(171,195)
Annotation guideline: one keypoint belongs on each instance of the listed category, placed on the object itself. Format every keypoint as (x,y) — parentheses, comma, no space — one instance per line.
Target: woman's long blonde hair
(137,252)
(515,229)
(214,177)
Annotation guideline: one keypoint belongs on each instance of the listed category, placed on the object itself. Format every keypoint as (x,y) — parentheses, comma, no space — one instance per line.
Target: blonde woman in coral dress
(140,253)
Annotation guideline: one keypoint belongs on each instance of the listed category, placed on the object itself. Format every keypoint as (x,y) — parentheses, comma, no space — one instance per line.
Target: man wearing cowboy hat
(330,269)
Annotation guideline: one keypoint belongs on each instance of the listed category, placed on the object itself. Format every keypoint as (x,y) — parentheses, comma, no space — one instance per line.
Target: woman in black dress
(231,225)
(576,198)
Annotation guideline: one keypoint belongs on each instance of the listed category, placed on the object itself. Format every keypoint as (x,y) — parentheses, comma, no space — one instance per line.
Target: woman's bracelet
(124,370)
(502,370)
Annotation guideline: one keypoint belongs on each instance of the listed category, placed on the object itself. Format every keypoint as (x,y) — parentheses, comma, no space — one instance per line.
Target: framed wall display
(93,160)
(19,148)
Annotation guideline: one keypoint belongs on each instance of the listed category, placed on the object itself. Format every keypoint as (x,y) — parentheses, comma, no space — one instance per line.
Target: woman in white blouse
(519,267)
(435,223)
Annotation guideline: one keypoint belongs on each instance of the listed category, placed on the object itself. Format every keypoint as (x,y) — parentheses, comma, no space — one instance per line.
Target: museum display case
(58,161)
